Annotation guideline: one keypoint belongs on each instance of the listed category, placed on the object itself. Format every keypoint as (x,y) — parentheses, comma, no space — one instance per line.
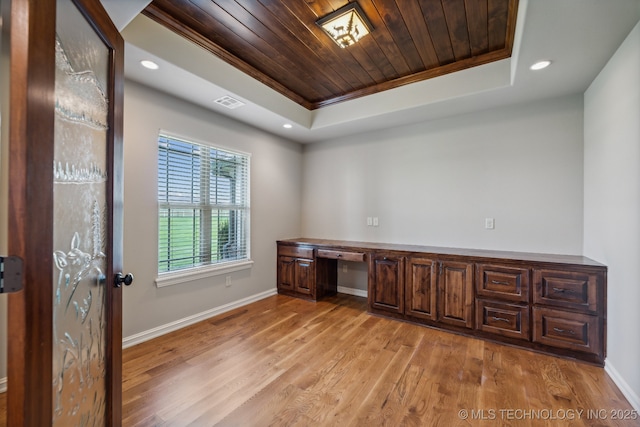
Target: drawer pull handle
(338,255)
(562,290)
(500,282)
(303,264)
(564,331)
(501,319)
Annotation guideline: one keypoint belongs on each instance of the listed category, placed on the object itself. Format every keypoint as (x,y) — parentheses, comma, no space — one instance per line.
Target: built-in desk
(550,303)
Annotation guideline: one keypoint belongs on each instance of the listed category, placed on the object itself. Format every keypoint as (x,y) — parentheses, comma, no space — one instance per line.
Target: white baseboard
(178,324)
(631,395)
(3,385)
(352,291)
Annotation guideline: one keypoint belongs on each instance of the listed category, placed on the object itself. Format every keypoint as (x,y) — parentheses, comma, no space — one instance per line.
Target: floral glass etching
(80,221)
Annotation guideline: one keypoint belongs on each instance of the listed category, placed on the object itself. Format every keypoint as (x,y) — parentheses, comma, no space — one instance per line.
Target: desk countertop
(443,251)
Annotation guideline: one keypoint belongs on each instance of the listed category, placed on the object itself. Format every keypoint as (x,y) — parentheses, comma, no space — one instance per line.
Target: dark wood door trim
(31,121)
(96,14)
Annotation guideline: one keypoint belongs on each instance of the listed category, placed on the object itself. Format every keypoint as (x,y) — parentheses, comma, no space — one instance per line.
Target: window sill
(191,274)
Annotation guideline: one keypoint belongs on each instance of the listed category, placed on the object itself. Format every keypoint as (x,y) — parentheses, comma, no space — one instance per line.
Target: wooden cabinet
(341,255)
(504,319)
(386,283)
(502,304)
(286,273)
(296,275)
(566,329)
(568,309)
(576,290)
(296,271)
(455,293)
(305,277)
(439,291)
(550,303)
(503,282)
(421,288)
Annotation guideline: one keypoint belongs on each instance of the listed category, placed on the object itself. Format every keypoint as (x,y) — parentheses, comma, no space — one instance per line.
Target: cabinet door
(286,273)
(305,277)
(386,283)
(455,285)
(420,288)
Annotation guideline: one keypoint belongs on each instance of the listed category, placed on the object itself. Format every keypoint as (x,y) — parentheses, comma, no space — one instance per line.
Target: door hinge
(10,274)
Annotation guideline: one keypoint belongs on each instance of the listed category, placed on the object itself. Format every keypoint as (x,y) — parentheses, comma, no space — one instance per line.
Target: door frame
(30,208)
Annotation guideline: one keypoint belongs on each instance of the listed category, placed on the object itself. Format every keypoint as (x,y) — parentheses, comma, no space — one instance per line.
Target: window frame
(197,272)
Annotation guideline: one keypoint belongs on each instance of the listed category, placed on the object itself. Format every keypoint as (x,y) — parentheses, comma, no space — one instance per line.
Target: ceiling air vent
(229,102)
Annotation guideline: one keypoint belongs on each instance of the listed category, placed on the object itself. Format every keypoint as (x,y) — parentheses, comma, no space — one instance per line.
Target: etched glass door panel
(80,221)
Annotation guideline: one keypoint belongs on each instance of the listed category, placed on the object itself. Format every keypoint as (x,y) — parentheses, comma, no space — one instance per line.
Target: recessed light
(287,125)
(149,64)
(540,65)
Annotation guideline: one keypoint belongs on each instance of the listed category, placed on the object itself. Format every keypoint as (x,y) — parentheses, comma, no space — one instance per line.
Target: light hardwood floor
(288,362)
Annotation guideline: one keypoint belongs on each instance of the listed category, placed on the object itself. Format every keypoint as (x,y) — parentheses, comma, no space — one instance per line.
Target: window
(203,205)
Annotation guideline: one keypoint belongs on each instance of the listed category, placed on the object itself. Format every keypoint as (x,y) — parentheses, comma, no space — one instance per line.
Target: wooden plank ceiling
(278,43)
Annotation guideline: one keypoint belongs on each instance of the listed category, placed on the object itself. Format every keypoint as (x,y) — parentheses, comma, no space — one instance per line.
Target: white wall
(434,183)
(612,202)
(275,201)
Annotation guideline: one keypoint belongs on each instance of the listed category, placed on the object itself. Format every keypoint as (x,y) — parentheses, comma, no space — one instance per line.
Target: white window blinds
(203,205)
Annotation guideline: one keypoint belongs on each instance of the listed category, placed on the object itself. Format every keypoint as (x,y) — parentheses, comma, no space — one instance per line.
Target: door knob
(119,279)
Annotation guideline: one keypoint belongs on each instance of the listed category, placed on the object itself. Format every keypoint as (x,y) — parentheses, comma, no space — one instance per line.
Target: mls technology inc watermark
(515,414)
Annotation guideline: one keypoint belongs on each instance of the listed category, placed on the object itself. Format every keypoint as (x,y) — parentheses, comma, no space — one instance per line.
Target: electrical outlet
(369,221)
(375,221)
(345,268)
(227,282)
(489,223)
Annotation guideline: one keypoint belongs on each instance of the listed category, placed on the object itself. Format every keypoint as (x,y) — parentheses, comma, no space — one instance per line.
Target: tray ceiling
(278,43)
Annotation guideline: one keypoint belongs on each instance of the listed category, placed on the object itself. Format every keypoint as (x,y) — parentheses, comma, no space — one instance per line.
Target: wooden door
(386,283)
(420,293)
(286,273)
(455,299)
(305,277)
(65,221)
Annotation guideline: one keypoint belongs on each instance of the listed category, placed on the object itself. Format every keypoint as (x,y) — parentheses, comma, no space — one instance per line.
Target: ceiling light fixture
(149,64)
(540,65)
(346,25)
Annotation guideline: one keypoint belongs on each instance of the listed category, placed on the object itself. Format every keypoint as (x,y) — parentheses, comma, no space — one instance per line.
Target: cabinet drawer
(567,289)
(510,320)
(342,255)
(503,282)
(296,251)
(575,331)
